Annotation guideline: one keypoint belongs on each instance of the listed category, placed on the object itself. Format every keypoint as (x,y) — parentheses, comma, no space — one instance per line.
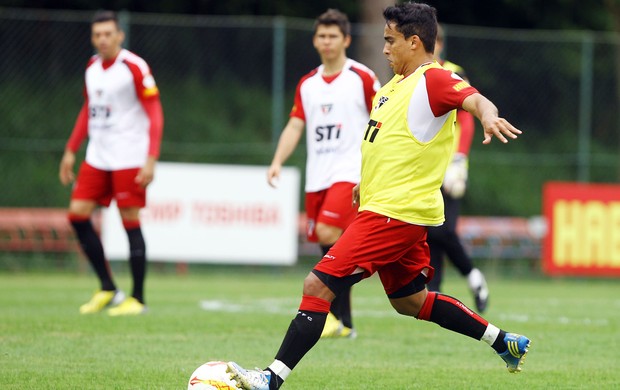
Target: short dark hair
(104,16)
(333,17)
(414,19)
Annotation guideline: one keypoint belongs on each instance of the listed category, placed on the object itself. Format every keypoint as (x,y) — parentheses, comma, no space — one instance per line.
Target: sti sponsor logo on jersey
(99,111)
(327,132)
(382,101)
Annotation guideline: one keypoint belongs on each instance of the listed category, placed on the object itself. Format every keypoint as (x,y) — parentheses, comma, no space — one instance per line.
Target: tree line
(596,15)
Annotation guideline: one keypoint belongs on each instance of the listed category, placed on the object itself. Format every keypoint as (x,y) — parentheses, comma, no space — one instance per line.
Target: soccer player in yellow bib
(406,148)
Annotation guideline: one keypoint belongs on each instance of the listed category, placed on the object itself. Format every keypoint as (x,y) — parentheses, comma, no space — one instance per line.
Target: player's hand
(65,173)
(455,179)
(146,173)
(355,195)
(273,174)
(500,128)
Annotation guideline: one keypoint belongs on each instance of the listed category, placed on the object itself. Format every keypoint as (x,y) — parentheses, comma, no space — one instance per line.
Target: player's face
(107,38)
(330,42)
(397,49)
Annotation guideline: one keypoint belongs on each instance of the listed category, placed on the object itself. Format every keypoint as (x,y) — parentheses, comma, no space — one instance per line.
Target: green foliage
(226,122)
(46,344)
(215,78)
(551,14)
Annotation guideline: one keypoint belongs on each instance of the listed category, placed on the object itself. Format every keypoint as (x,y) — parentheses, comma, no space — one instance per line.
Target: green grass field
(242,314)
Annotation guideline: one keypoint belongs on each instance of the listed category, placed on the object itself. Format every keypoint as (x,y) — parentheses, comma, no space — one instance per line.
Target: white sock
(490,334)
(280,369)
(475,278)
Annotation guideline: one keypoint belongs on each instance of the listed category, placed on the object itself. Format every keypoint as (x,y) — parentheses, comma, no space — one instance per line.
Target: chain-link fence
(227,85)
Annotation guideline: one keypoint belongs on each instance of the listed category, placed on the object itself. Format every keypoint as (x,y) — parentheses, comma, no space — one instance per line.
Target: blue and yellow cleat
(249,379)
(518,346)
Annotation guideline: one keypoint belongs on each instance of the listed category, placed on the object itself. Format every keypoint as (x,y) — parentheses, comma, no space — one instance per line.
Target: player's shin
(137,257)
(452,314)
(303,333)
(92,247)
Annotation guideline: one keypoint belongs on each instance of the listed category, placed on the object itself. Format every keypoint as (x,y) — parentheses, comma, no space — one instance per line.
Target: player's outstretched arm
(486,112)
(286,146)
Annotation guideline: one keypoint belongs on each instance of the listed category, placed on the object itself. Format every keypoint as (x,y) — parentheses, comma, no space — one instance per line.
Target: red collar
(330,78)
(108,63)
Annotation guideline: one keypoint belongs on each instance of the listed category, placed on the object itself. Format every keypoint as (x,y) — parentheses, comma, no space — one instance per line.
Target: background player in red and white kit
(444,240)
(122,117)
(406,148)
(332,103)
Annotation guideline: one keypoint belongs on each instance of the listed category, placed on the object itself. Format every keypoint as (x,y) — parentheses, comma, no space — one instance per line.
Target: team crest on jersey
(382,101)
(326,108)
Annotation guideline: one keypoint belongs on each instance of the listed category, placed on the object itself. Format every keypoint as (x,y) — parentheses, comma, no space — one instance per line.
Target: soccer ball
(211,376)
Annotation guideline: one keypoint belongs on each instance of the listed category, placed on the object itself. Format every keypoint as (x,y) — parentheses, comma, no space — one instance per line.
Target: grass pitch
(241,314)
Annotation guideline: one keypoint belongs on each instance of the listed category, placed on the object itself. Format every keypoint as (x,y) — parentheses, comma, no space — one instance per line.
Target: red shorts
(396,250)
(102,186)
(332,206)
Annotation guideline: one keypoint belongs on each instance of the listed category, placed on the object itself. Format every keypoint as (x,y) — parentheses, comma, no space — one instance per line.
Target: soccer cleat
(101,300)
(130,307)
(478,287)
(348,333)
(249,379)
(332,324)
(518,346)
(334,328)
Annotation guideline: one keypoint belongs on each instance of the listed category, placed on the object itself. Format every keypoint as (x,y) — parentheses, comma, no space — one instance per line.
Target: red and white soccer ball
(211,376)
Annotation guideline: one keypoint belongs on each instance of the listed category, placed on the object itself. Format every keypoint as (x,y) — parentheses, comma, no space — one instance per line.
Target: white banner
(213,214)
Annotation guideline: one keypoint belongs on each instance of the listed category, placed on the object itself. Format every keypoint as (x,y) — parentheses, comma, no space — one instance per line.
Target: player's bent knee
(408,299)
(409,305)
(416,285)
(335,284)
(313,286)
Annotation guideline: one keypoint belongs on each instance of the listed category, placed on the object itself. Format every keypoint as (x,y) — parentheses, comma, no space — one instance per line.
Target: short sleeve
(446,90)
(143,81)
(298,108)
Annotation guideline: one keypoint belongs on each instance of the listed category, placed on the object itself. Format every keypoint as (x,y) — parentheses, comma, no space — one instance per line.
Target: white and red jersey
(122,123)
(335,110)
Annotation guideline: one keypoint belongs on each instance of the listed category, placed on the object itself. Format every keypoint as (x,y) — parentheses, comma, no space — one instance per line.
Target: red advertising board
(583,229)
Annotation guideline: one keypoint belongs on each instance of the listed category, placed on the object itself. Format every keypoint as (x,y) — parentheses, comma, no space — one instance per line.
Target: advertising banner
(214,214)
(583,229)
